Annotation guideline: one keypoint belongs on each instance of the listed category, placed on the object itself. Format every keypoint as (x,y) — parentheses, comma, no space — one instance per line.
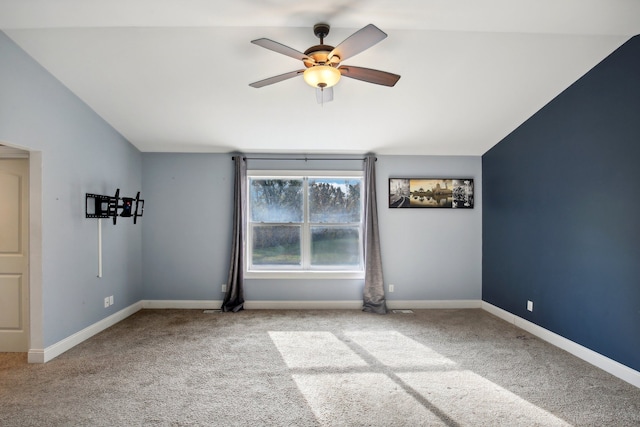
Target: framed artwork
(431,193)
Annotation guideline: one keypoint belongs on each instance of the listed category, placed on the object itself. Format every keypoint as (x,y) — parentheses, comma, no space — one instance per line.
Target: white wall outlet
(111,300)
(106,302)
(530,305)
(224,287)
(392,288)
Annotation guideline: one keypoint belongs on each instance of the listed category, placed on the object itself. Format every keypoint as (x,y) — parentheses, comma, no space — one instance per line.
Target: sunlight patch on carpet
(302,349)
(396,350)
(362,399)
(467,397)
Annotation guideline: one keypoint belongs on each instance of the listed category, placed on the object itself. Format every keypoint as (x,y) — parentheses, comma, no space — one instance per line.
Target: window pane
(334,200)
(276,200)
(276,245)
(335,246)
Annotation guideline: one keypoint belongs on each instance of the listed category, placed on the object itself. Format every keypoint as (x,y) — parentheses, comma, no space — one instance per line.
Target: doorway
(14,250)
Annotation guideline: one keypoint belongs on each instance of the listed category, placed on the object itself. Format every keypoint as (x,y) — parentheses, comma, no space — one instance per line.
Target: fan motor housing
(319,54)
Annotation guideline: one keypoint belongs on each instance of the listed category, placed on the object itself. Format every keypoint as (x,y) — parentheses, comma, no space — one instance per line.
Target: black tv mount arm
(111,206)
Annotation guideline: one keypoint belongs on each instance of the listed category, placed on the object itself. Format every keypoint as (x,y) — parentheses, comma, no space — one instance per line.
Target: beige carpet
(313,368)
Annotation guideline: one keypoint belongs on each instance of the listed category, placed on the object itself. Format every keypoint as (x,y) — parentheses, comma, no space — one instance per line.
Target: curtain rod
(302,158)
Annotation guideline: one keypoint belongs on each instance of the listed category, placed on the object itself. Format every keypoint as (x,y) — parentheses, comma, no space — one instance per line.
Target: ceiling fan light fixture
(321,76)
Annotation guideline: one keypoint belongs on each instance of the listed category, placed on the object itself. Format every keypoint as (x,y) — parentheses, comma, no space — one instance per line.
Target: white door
(14,255)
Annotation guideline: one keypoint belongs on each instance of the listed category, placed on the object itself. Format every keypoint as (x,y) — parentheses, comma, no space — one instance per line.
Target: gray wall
(187,225)
(428,254)
(431,254)
(81,154)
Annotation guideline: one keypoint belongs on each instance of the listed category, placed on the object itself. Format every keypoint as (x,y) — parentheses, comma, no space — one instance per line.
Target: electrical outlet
(224,287)
(391,288)
(530,305)
(111,300)
(106,302)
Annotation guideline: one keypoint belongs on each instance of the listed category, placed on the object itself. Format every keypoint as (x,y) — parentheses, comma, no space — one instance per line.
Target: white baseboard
(303,305)
(609,365)
(357,305)
(55,350)
(182,304)
(309,305)
(433,304)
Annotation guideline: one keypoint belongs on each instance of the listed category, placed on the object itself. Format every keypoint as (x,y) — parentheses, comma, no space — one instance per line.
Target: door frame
(36,303)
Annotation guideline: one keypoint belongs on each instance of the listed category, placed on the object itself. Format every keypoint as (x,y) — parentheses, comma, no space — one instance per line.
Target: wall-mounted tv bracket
(100,206)
(103,206)
(130,207)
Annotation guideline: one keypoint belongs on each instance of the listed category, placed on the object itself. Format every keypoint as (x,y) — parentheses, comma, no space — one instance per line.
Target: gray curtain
(234,298)
(373,296)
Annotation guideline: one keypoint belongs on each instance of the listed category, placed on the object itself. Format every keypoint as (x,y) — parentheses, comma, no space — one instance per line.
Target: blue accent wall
(561,212)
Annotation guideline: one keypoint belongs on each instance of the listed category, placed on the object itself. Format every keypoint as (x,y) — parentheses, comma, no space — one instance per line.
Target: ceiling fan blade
(280,48)
(357,42)
(324,95)
(368,75)
(276,79)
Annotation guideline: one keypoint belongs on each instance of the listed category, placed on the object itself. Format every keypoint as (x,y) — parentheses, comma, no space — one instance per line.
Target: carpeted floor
(313,368)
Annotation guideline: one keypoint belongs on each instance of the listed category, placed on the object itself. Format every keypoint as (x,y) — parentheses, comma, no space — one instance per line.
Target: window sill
(280,274)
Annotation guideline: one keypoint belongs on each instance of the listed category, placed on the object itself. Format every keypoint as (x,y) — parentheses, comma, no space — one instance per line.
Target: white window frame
(305,272)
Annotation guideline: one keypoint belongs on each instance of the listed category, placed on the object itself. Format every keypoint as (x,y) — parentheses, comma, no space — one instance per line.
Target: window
(305,223)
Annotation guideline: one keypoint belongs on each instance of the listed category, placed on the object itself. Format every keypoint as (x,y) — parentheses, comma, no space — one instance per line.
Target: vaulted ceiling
(173,75)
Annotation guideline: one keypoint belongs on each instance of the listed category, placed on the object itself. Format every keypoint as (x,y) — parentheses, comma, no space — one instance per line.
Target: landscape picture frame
(435,193)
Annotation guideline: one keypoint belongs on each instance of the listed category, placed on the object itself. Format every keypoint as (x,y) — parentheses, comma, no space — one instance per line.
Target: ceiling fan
(323,63)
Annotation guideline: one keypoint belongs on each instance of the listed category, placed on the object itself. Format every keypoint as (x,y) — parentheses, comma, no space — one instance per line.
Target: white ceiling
(173,75)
